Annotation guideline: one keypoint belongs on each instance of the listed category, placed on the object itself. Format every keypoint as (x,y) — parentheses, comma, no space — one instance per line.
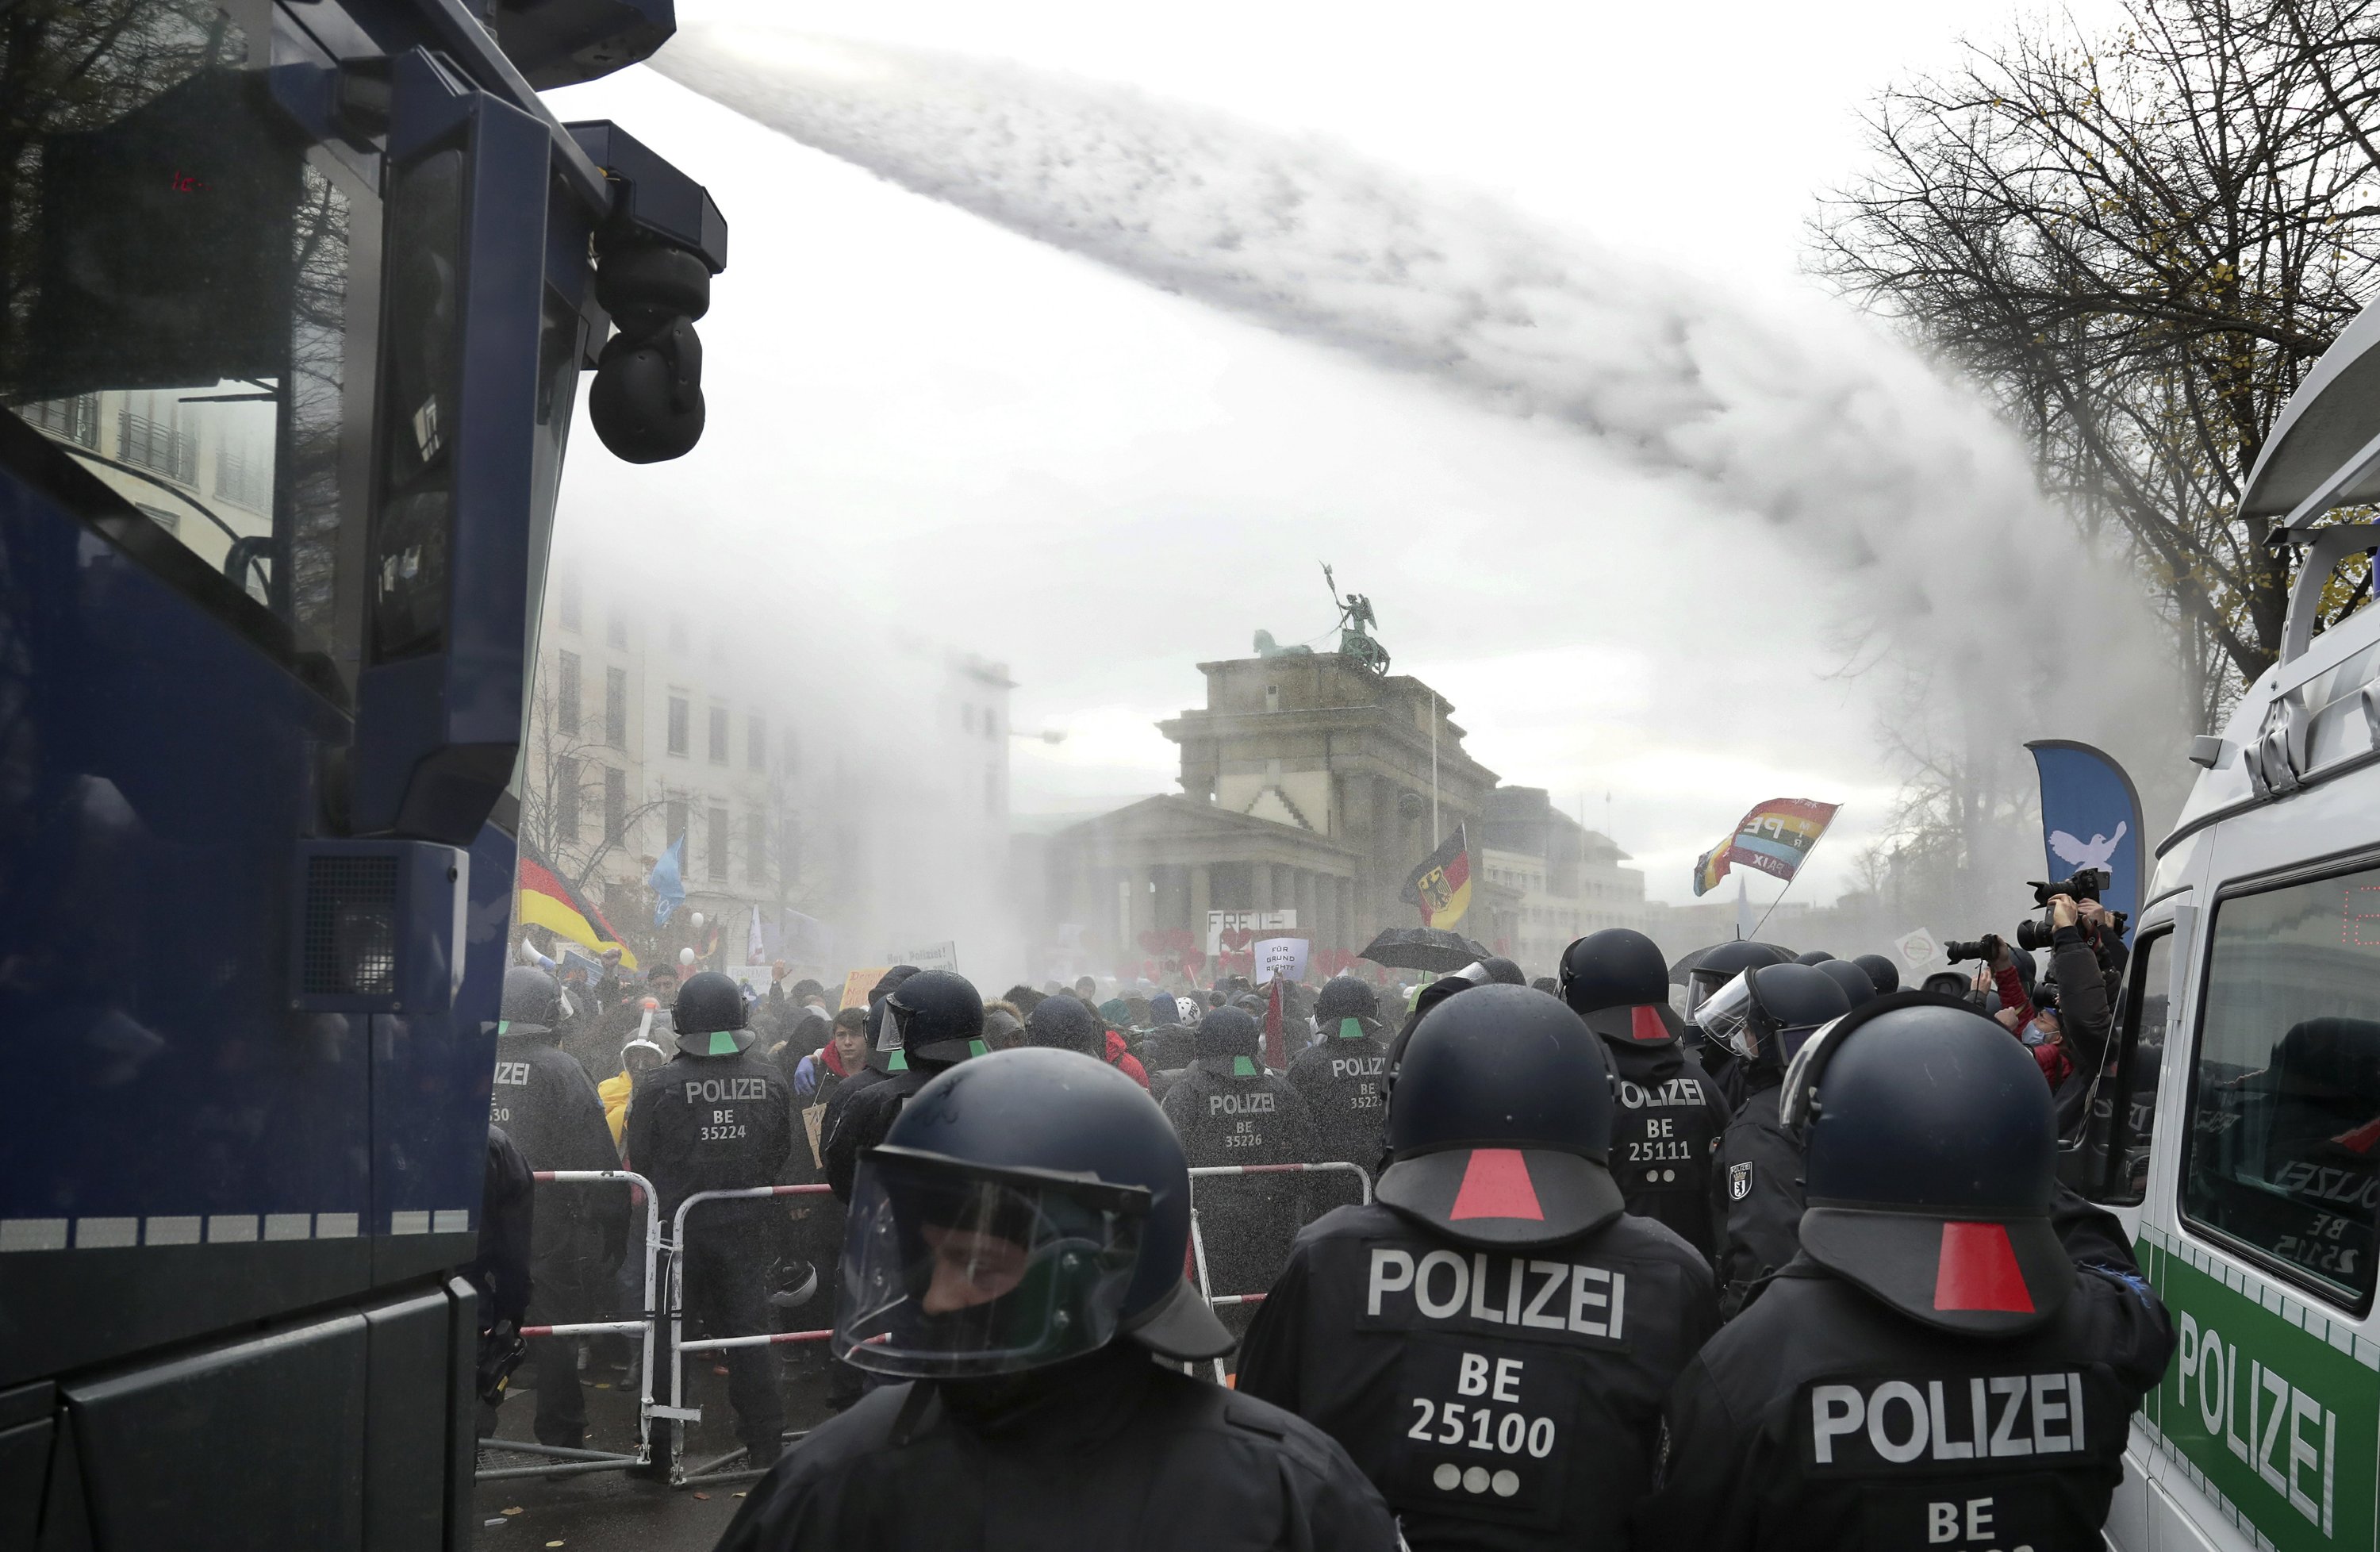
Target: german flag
(1442,884)
(547,901)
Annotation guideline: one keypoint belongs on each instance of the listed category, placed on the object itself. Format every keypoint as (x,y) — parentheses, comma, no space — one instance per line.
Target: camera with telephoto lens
(2085,885)
(1986,948)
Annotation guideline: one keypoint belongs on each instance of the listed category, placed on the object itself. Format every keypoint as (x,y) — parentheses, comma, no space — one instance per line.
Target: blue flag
(2091,818)
(667,882)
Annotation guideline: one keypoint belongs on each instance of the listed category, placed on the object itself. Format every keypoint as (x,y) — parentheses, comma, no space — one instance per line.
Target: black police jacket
(1224,1117)
(710,1124)
(546,1103)
(1667,1121)
(1821,1419)
(861,1121)
(1108,1452)
(1498,1400)
(1341,1082)
(501,1271)
(1757,1191)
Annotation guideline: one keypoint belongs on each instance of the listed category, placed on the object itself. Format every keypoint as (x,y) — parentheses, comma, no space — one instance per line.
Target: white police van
(2241,1134)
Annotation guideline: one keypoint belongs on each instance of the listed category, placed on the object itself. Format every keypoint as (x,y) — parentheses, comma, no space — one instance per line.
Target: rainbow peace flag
(1773,838)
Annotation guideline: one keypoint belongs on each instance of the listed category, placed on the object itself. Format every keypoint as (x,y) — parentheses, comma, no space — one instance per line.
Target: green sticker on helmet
(1243,1068)
(899,1064)
(1351,1029)
(723,1043)
(977,1047)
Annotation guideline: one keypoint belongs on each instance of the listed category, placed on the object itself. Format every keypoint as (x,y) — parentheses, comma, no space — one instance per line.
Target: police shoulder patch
(1739,1182)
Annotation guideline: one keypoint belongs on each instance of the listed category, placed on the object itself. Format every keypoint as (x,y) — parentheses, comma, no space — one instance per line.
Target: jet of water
(1896,482)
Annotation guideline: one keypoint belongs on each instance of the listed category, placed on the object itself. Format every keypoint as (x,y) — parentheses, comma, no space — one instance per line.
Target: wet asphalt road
(608,1511)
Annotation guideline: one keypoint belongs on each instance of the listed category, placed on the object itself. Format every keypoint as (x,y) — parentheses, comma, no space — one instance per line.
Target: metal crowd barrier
(710,1471)
(1198,1235)
(573,1461)
(676,1411)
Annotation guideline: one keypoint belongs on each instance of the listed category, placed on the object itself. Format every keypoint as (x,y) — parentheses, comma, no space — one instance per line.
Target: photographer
(2086,961)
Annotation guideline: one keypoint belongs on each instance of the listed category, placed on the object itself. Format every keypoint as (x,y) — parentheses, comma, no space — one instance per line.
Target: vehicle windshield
(176,271)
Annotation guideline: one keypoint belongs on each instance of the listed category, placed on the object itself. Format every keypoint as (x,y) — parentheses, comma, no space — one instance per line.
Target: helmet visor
(1700,985)
(1723,1013)
(952,1271)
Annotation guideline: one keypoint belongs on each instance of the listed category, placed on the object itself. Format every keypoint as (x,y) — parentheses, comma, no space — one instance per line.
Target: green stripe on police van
(2281,1423)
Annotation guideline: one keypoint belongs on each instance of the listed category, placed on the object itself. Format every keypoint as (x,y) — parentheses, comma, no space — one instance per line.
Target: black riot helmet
(1233,1036)
(1500,1123)
(937,1017)
(532,1003)
(1025,1208)
(1062,1023)
(1857,988)
(1766,1013)
(1343,998)
(1882,973)
(1494,970)
(1815,956)
(1930,1165)
(709,1016)
(1618,982)
(1721,963)
(884,1048)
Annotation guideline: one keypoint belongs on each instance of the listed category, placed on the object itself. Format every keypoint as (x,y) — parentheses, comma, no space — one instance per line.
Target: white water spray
(1898,484)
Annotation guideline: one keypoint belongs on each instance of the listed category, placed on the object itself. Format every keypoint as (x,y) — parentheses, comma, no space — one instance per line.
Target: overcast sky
(1043,462)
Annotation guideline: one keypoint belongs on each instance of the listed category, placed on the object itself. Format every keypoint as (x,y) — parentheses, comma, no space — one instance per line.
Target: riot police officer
(1882,973)
(546,1103)
(715,1117)
(1016,1258)
(1859,988)
(1492,1339)
(1340,1075)
(1671,1115)
(930,1021)
(1953,1359)
(1709,970)
(1764,1016)
(1228,1109)
(882,1054)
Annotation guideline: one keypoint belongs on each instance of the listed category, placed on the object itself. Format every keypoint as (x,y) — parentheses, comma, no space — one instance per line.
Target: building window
(615,805)
(565,694)
(719,735)
(565,799)
(674,814)
(75,420)
(677,633)
(244,476)
(150,432)
(615,629)
(616,707)
(680,712)
(715,853)
(756,741)
(571,599)
(755,846)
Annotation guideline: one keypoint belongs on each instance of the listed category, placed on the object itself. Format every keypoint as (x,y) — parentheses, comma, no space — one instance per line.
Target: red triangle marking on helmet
(1978,1270)
(1496,1184)
(1644,1022)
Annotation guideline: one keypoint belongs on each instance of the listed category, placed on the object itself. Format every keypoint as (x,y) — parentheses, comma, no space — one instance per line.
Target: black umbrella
(1423,948)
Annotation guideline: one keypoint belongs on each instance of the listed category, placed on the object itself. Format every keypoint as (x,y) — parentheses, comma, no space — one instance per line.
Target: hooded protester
(1939,1263)
(881,1060)
(1229,1110)
(1015,1265)
(1340,1075)
(1671,1115)
(715,1117)
(1491,1340)
(545,1103)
